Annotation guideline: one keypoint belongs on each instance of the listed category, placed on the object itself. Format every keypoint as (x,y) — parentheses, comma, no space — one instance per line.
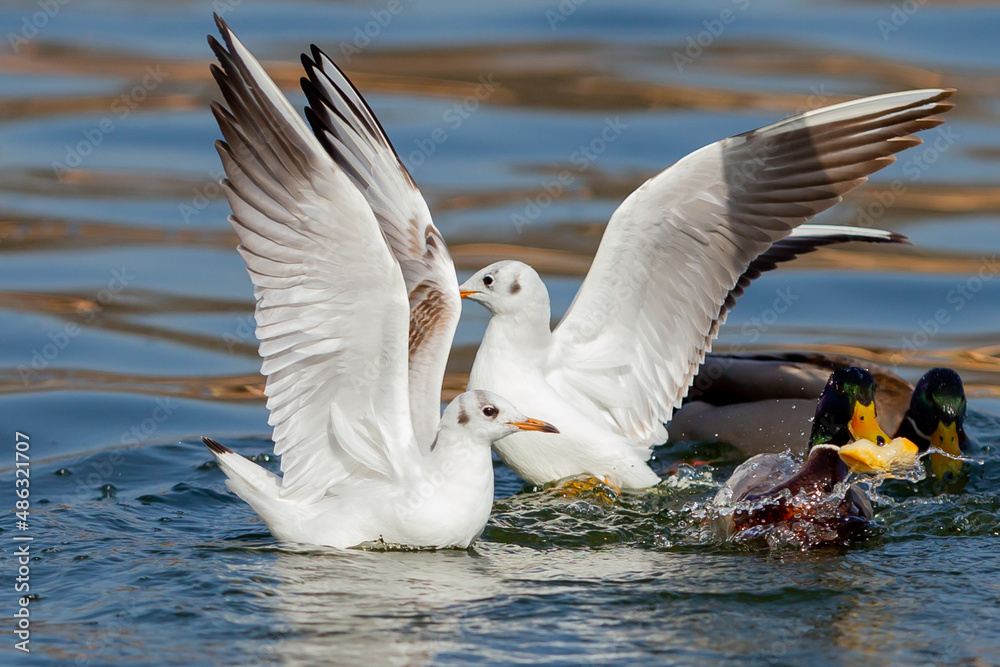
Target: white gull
(674,257)
(353,389)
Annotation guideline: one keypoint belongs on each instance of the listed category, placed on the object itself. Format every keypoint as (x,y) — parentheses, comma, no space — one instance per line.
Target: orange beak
(466,293)
(535,425)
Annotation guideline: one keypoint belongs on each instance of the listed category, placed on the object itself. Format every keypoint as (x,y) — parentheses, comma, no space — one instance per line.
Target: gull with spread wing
(698,234)
(351,134)
(354,329)
(674,257)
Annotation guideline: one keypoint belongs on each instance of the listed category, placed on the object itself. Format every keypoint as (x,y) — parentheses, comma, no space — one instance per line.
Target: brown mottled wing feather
(347,128)
(331,304)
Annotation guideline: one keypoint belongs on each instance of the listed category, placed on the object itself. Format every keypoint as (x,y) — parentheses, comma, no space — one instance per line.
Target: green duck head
(845,422)
(936,418)
(846,410)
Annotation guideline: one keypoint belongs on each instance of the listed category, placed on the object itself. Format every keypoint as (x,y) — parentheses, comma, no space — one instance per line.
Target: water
(125,334)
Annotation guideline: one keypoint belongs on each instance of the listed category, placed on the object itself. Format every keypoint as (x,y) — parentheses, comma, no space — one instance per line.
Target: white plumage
(350,384)
(347,265)
(674,257)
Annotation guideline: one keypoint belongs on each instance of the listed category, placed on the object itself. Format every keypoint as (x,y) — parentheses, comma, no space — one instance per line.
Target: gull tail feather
(256,486)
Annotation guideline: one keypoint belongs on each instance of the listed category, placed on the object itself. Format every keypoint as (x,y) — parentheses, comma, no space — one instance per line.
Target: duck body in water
(758,403)
(772,496)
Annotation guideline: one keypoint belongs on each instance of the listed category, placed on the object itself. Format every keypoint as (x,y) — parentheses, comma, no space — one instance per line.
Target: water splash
(954,457)
(800,520)
(912,472)
(687,478)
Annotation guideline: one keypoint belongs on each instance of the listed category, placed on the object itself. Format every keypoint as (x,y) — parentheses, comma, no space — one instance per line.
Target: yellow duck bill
(945,438)
(864,425)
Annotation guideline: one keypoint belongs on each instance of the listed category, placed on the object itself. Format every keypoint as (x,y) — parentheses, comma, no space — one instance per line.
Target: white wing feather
(675,249)
(332,311)
(347,128)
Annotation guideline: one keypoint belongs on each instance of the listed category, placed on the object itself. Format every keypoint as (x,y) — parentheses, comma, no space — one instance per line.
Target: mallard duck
(810,502)
(758,402)
(936,418)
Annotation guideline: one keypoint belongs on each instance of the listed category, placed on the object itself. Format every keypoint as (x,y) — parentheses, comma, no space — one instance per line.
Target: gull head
(486,417)
(507,287)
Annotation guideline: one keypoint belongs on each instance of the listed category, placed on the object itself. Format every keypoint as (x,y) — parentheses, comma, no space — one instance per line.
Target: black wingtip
(317,55)
(217,48)
(220,23)
(896,237)
(219,111)
(216,72)
(226,32)
(215,447)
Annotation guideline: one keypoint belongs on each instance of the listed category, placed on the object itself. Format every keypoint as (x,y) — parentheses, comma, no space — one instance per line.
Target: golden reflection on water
(566,76)
(978,363)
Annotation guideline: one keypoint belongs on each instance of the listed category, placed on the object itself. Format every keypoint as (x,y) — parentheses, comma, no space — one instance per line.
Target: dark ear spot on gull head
(515,288)
(463,417)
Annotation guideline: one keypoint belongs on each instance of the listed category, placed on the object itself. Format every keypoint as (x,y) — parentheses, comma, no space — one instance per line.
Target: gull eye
(488,280)
(490,411)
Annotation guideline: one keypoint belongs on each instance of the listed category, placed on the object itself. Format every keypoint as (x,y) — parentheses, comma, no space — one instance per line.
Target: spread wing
(346,127)
(676,248)
(331,309)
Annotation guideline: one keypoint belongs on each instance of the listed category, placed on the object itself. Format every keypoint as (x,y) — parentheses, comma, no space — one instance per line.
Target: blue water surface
(125,333)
